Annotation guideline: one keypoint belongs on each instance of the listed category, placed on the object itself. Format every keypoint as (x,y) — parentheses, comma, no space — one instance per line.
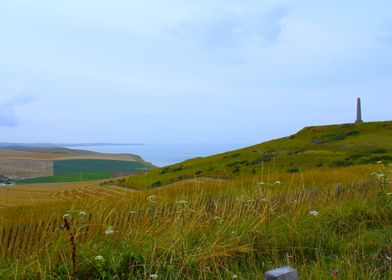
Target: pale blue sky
(189,71)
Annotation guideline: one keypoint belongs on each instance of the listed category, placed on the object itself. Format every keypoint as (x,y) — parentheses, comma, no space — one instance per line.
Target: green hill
(312,147)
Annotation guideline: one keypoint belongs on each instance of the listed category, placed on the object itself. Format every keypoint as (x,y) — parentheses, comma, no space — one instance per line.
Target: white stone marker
(282,273)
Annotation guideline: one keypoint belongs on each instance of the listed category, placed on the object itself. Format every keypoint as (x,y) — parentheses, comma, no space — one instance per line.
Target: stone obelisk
(359,111)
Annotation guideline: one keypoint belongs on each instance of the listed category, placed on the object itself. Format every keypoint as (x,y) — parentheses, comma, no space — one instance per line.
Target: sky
(205,71)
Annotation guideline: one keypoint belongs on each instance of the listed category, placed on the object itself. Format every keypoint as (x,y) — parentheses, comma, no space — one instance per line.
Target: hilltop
(312,147)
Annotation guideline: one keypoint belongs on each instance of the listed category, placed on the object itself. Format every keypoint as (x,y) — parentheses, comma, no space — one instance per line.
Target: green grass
(75,177)
(64,167)
(312,147)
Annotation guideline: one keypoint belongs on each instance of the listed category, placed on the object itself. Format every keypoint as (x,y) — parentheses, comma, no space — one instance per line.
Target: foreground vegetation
(327,222)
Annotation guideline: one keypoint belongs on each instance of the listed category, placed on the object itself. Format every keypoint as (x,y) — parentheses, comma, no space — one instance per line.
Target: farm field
(40,165)
(33,194)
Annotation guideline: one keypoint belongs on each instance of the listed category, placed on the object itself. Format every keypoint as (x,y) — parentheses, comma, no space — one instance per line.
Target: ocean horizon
(165,154)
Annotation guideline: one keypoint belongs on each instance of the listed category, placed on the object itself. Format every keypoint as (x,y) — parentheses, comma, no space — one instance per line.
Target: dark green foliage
(5,180)
(156,184)
(293,169)
(341,163)
(339,136)
(232,156)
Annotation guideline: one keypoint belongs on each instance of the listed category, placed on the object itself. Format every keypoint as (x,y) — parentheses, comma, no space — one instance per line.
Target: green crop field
(75,177)
(80,170)
(64,167)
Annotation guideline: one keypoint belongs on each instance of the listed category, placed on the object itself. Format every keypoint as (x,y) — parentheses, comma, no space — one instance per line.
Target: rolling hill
(312,147)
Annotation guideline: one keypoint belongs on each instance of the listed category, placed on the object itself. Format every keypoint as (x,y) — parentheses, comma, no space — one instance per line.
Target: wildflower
(277,183)
(235,276)
(313,213)
(334,272)
(99,258)
(182,202)
(152,199)
(109,230)
(154,276)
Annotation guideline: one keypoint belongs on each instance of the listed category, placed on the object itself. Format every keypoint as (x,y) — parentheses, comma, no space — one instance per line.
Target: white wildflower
(313,213)
(109,230)
(152,199)
(154,276)
(235,276)
(99,258)
(182,202)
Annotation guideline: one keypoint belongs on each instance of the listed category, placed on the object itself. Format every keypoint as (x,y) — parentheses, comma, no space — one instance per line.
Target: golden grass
(212,229)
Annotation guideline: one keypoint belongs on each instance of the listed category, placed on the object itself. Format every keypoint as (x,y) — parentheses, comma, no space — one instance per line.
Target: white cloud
(224,31)
(12,96)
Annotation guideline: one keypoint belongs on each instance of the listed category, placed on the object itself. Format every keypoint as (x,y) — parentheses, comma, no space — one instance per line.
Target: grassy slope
(312,147)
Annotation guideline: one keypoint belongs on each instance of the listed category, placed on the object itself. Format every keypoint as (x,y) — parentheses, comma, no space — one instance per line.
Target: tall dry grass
(331,223)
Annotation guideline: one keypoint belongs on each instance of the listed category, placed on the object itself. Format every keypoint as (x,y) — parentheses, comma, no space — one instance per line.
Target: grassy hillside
(313,147)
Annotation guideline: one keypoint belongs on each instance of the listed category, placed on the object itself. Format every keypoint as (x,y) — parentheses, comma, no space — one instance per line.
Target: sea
(165,154)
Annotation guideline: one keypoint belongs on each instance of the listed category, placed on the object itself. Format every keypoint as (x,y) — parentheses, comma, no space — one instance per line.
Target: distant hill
(35,165)
(312,147)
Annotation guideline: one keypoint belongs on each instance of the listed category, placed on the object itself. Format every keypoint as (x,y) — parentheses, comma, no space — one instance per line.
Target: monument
(359,111)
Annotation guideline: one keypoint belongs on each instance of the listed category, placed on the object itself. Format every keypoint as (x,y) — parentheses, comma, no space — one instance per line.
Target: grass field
(328,223)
